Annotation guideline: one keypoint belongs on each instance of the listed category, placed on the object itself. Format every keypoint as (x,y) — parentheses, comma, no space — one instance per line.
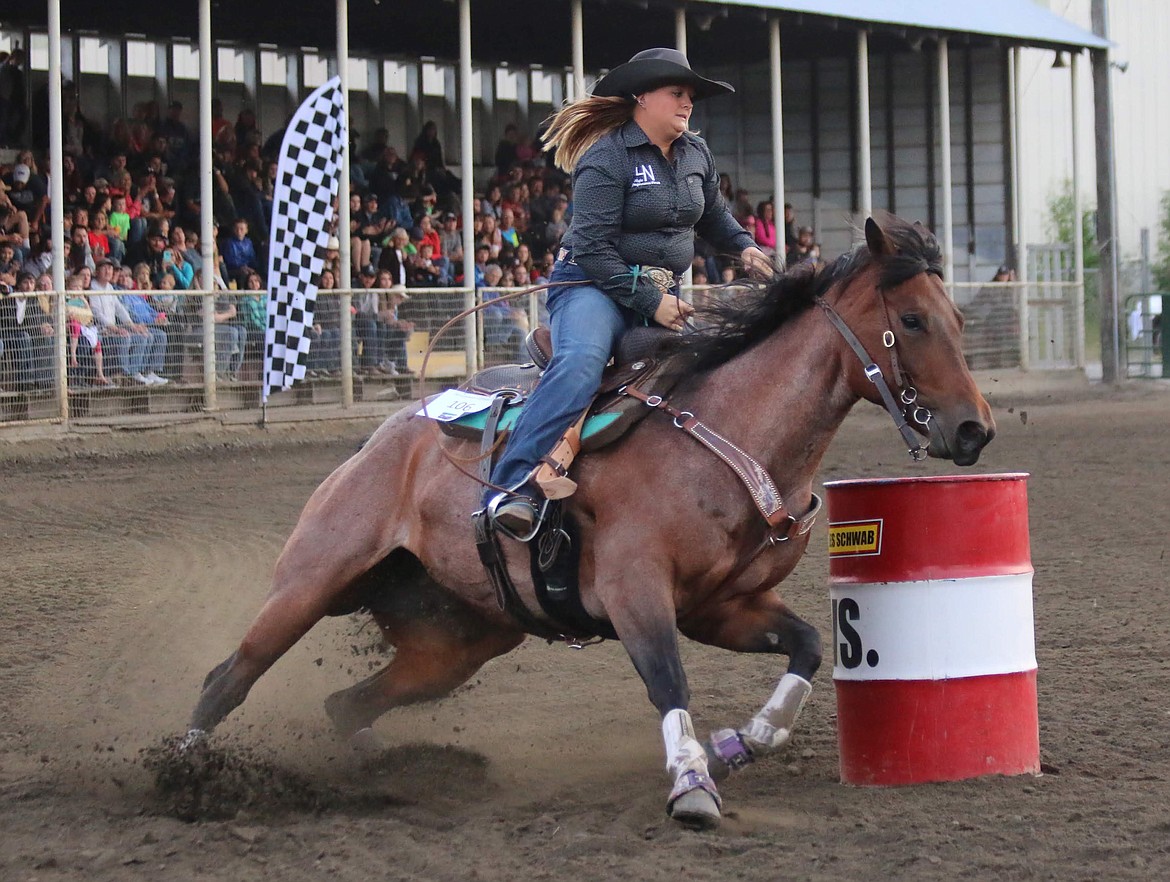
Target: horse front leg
(644,619)
(762,624)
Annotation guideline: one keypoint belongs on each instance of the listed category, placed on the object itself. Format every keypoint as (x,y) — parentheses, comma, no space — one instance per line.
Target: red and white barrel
(934,654)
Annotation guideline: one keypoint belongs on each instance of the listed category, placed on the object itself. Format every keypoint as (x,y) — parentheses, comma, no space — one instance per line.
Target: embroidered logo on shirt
(644,176)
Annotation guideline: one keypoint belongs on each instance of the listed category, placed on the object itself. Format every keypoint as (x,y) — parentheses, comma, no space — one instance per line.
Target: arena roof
(1021,21)
(538,31)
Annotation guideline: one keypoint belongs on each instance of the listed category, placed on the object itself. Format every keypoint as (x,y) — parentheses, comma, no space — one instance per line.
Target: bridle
(904,409)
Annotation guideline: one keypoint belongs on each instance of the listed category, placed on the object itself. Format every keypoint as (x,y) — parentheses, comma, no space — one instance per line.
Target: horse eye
(911,322)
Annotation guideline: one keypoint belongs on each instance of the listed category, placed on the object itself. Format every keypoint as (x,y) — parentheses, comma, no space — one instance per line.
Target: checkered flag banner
(307,181)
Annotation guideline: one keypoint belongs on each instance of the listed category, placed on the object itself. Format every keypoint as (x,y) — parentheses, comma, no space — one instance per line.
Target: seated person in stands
(252,311)
(27,334)
(85,343)
(370,229)
(428,234)
(187,244)
(124,341)
(394,332)
(156,244)
(508,232)
(451,239)
(229,339)
(804,248)
(238,251)
(78,255)
(14,227)
(543,268)
(184,323)
(325,351)
(504,325)
(482,255)
(9,265)
(422,269)
(175,264)
(101,241)
(556,226)
(395,257)
(153,321)
(365,320)
(120,221)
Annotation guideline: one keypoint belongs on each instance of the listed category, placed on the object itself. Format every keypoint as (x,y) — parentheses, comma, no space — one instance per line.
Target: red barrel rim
(928,479)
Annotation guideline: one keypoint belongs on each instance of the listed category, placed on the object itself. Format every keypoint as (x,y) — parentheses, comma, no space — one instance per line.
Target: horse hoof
(726,753)
(366,742)
(718,769)
(694,801)
(193,738)
(697,809)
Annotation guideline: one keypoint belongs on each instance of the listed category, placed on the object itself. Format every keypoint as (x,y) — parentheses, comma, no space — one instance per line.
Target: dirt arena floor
(132,564)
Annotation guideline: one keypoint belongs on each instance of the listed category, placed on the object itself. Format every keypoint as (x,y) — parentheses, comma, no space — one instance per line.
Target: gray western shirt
(631,206)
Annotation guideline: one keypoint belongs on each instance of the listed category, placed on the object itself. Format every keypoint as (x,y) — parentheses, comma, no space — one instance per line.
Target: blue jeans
(33,356)
(365,330)
(127,352)
(229,347)
(325,352)
(148,357)
(586,326)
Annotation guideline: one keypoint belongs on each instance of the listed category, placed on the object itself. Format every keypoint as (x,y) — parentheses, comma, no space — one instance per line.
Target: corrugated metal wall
(820,138)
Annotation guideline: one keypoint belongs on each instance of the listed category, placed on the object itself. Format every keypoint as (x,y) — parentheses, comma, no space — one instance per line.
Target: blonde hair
(577,126)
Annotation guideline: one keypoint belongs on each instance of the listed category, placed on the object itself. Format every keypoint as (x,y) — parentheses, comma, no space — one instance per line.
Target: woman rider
(643,184)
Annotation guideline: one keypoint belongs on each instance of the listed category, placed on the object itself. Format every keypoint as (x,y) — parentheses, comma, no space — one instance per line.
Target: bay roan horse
(670,537)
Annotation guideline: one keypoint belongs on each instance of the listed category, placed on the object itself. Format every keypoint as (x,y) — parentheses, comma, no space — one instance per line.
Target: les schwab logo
(855,538)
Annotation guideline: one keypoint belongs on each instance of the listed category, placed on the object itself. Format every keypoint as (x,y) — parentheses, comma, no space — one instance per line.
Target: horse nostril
(973,435)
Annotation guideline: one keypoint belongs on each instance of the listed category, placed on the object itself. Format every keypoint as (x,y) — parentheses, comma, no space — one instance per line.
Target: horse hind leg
(218,670)
(305,588)
(282,621)
(440,642)
(772,628)
(430,660)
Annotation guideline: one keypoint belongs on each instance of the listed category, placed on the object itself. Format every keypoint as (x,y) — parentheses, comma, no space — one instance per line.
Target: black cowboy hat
(653,68)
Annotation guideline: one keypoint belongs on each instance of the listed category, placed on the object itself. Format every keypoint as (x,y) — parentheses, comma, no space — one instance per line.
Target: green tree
(1161,267)
(1060,223)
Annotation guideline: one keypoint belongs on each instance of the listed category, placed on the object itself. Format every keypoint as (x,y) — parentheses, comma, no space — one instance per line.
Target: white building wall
(1140,31)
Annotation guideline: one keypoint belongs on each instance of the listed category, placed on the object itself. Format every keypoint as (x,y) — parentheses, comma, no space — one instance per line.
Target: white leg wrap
(772,726)
(683,751)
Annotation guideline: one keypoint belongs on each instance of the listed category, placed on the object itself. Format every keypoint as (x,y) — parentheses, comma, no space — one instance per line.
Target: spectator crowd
(132,214)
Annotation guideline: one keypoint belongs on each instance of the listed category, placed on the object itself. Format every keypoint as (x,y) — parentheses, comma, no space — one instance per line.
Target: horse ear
(876,239)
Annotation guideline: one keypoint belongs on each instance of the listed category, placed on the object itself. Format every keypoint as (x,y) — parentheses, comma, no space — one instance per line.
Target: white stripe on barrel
(934,656)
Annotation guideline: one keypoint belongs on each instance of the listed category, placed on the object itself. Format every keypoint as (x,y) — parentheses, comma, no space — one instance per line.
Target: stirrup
(540,508)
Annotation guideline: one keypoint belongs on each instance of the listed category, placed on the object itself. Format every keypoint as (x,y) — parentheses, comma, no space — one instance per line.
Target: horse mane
(733,324)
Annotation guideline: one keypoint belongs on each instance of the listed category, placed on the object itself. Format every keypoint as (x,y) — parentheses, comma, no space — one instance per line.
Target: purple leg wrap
(693,781)
(728,746)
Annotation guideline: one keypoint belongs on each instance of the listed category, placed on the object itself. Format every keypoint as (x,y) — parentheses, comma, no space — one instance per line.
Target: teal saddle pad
(473,423)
